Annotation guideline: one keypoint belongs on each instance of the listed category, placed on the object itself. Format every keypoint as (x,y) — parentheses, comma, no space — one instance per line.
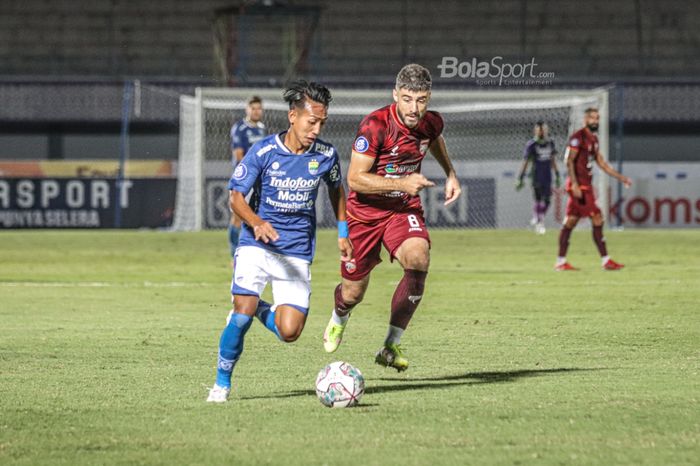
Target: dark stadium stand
(62,64)
(606,39)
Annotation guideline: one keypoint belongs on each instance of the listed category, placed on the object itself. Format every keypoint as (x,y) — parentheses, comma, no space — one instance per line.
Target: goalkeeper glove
(519,184)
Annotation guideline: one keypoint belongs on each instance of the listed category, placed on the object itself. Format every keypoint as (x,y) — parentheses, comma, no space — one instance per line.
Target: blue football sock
(233,233)
(267,316)
(231,347)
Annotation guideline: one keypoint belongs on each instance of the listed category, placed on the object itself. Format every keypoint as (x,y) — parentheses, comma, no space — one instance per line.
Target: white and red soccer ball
(340,385)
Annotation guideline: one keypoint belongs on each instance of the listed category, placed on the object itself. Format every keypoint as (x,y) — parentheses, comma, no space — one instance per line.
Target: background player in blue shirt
(278,237)
(244,133)
(540,151)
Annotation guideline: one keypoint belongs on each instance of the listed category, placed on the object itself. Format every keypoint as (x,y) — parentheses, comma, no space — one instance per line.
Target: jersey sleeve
(247,172)
(554,149)
(333,177)
(370,137)
(527,153)
(574,142)
(238,137)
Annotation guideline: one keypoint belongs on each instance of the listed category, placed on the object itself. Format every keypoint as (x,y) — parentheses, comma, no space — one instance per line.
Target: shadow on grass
(446,381)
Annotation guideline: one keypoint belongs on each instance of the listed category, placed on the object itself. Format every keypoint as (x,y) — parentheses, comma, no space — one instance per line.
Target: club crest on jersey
(240,172)
(424,144)
(361,144)
(350,266)
(313,167)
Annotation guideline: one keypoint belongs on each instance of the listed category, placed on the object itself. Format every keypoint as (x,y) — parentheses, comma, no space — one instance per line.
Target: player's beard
(592,127)
(417,116)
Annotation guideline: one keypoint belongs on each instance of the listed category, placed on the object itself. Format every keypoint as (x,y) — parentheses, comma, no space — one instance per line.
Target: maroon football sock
(407,297)
(341,307)
(600,240)
(564,235)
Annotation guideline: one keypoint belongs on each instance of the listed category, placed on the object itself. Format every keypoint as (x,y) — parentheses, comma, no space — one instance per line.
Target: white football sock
(561,260)
(604,259)
(393,336)
(339,320)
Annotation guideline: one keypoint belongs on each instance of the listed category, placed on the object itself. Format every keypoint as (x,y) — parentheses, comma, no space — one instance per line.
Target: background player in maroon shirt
(384,206)
(581,152)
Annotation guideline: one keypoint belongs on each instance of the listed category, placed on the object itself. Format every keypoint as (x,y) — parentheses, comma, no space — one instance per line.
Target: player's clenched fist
(265,232)
(415,183)
(576,191)
(452,190)
(345,247)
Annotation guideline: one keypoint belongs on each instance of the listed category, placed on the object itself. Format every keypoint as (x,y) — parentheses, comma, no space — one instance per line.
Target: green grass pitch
(108,344)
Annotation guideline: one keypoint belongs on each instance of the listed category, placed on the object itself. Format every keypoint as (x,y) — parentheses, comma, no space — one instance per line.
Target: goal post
(485,131)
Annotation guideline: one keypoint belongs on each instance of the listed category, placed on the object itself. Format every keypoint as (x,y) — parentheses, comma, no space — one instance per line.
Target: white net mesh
(485,132)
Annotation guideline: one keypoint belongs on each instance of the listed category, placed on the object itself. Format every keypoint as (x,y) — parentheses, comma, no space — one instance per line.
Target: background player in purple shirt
(540,151)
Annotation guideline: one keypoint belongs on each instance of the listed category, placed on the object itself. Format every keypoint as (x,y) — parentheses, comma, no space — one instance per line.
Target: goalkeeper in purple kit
(541,153)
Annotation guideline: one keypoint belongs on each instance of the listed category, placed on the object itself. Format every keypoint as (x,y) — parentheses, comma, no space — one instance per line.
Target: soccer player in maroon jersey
(581,152)
(384,206)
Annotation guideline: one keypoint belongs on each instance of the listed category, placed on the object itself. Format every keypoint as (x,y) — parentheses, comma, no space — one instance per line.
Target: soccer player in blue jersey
(278,237)
(540,151)
(244,133)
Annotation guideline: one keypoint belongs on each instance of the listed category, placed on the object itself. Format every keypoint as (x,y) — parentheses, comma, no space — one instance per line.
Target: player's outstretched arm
(262,230)
(452,187)
(605,166)
(337,198)
(362,181)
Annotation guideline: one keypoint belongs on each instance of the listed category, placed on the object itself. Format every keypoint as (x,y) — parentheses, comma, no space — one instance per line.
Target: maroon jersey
(397,152)
(587,145)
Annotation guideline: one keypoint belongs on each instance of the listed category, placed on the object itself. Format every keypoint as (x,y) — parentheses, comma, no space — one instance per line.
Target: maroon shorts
(367,239)
(585,206)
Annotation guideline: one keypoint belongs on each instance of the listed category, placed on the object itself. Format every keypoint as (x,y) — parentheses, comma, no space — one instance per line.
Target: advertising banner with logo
(85,202)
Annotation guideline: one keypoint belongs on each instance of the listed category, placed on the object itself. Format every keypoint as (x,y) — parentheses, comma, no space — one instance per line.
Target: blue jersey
(245,133)
(540,153)
(285,188)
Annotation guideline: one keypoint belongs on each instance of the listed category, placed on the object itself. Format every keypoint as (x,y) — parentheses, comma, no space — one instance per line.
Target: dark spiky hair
(298,91)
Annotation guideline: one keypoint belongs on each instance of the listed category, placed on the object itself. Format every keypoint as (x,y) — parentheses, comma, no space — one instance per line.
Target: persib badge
(361,144)
(313,167)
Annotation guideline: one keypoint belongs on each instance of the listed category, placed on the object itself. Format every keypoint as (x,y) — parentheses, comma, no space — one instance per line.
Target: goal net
(486,132)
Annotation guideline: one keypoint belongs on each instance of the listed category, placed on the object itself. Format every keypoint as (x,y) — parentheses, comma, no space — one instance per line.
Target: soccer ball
(340,385)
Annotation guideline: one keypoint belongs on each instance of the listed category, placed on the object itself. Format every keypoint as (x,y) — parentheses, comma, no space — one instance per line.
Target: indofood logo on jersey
(313,167)
(294,184)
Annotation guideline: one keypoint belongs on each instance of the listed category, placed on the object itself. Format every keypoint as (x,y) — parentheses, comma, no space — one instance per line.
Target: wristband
(342,229)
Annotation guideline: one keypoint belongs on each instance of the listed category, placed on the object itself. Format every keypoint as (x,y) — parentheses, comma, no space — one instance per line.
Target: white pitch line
(103,284)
